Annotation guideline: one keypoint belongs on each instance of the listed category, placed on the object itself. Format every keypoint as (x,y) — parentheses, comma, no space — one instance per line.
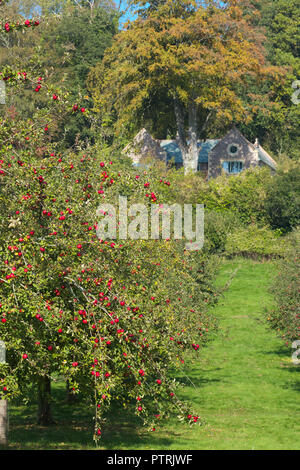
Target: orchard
(113,326)
(110,318)
(285,317)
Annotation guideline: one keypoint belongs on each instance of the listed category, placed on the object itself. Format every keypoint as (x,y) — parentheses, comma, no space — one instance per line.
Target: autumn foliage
(183,69)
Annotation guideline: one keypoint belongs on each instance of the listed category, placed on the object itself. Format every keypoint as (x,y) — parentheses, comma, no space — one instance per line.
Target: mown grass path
(247,386)
(244,385)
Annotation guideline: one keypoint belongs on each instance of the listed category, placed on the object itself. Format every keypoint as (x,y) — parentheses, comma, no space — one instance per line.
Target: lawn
(244,386)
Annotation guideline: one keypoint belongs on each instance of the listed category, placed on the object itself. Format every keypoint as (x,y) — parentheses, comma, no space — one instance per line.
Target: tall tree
(73,38)
(103,315)
(277,125)
(197,57)
(281,19)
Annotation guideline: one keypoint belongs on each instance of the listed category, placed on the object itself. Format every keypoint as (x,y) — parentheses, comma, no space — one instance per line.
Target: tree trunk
(188,147)
(192,163)
(3,422)
(180,115)
(44,396)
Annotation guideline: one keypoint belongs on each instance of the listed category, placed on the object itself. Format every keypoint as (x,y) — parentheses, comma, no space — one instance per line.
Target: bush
(285,318)
(217,229)
(244,194)
(283,200)
(255,242)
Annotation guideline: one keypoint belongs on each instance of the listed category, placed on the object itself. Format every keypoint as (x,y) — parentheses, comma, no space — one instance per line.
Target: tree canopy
(184,69)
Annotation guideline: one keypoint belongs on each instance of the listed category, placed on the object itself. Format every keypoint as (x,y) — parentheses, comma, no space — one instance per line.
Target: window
(233,167)
(233,149)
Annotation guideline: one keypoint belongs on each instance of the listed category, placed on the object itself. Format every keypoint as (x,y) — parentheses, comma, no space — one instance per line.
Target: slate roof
(173,151)
(266,158)
(169,149)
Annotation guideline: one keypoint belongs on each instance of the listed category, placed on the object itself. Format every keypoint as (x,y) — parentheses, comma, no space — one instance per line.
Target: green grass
(245,387)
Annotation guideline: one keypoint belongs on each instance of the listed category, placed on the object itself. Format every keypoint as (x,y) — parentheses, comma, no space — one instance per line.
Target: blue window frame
(233,167)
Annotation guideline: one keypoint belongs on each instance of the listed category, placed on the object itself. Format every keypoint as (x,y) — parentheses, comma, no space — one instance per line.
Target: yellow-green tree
(183,64)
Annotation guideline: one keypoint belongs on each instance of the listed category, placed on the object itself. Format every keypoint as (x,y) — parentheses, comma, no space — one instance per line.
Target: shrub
(244,194)
(285,318)
(283,200)
(255,242)
(217,229)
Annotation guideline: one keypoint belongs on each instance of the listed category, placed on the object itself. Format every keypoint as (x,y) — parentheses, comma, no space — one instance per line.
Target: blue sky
(129,15)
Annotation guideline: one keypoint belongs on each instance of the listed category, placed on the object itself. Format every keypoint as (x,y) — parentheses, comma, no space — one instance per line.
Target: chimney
(256,151)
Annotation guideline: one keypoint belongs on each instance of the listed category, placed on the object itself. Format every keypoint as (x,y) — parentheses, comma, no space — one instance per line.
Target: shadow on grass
(295,370)
(73,428)
(285,355)
(197,378)
(125,431)
(281,351)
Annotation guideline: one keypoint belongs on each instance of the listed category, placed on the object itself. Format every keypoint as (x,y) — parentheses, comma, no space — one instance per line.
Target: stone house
(232,154)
